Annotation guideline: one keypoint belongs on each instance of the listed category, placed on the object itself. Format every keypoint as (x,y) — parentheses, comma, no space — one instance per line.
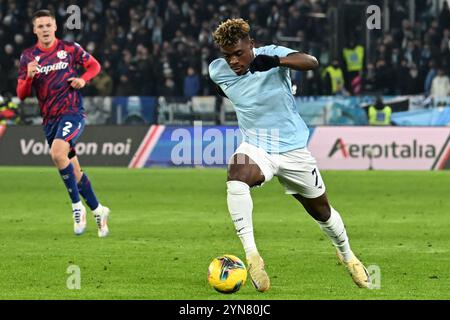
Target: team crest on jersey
(61,54)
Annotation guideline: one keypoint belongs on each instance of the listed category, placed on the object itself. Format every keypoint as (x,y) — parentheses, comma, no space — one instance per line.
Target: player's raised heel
(259,276)
(359,273)
(79,220)
(101,220)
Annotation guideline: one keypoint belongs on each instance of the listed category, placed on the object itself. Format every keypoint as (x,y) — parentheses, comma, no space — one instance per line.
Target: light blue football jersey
(265,107)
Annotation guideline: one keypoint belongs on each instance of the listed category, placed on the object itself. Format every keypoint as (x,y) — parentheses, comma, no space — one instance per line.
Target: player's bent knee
(238,175)
(322,212)
(237,187)
(58,156)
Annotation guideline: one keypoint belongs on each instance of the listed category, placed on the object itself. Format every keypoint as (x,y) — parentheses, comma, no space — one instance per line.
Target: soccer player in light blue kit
(257,82)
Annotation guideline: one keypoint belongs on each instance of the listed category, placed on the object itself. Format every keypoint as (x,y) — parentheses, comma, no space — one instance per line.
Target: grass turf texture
(168,224)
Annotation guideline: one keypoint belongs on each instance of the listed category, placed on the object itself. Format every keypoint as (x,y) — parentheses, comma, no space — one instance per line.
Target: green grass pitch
(168,224)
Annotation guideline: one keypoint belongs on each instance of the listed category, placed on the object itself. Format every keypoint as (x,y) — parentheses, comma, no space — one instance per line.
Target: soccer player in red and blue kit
(50,67)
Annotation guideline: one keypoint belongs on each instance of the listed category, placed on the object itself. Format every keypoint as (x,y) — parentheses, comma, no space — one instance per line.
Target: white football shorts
(296,170)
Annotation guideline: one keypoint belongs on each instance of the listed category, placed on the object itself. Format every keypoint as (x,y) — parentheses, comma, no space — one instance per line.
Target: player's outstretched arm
(299,61)
(296,61)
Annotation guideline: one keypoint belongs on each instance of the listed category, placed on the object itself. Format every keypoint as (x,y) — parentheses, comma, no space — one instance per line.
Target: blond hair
(229,32)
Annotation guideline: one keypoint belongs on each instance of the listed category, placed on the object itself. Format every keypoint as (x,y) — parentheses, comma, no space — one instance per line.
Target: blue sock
(71,184)
(85,188)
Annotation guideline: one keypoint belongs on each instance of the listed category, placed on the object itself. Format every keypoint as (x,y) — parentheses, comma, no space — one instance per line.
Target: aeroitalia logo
(381,148)
(413,150)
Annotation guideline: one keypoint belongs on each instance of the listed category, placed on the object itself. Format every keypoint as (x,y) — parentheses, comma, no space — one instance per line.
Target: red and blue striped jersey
(56,65)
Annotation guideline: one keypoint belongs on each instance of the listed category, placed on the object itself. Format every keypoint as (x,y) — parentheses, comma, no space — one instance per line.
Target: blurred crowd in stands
(412,58)
(156,47)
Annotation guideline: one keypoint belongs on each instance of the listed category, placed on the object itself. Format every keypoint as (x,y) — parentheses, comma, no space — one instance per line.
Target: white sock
(98,210)
(240,205)
(77,205)
(334,228)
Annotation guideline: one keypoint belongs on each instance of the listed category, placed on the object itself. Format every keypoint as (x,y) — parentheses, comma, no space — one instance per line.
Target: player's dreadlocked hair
(230,32)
